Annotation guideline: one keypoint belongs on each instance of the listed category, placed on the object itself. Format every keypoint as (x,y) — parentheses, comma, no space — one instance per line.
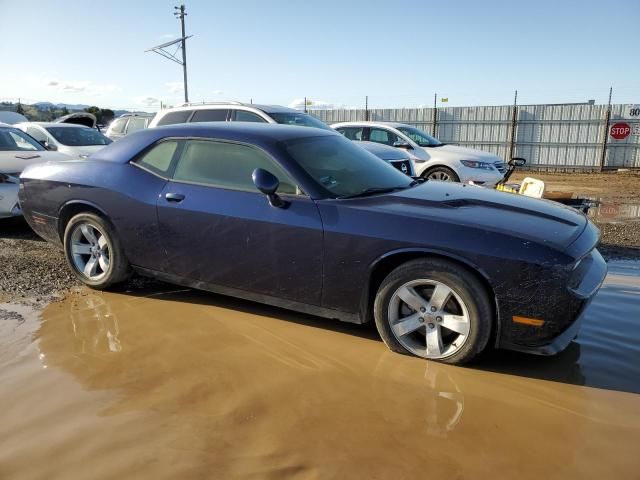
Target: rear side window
(217,115)
(171,118)
(242,116)
(352,133)
(135,124)
(382,136)
(227,165)
(118,125)
(158,159)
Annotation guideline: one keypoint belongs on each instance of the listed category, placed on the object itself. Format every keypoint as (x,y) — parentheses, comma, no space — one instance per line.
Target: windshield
(343,168)
(300,119)
(14,140)
(420,137)
(78,136)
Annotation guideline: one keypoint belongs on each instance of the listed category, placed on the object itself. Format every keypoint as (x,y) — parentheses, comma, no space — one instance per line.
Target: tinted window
(242,116)
(118,125)
(342,167)
(226,165)
(179,116)
(135,124)
(352,133)
(379,135)
(299,118)
(420,137)
(17,140)
(78,136)
(158,159)
(219,115)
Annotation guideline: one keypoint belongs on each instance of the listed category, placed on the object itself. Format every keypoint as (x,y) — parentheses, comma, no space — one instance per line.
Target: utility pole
(180,43)
(180,13)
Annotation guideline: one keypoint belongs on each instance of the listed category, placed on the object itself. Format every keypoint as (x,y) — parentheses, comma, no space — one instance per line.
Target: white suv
(433,159)
(235,112)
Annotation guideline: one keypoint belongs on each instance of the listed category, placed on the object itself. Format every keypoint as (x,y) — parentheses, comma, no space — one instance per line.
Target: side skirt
(254,297)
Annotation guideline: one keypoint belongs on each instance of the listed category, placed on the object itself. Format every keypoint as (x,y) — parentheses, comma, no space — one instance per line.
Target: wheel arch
(385,264)
(73,207)
(440,164)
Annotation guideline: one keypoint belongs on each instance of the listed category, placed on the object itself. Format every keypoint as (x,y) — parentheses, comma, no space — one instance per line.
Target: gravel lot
(33,271)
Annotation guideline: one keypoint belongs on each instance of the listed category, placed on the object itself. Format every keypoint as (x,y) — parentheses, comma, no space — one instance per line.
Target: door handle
(174,197)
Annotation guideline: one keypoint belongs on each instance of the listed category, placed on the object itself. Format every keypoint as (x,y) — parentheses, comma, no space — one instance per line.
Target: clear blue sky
(398,52)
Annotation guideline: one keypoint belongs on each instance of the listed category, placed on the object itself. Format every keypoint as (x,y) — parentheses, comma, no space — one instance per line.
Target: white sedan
(433,159)
(69,138)
(17,150)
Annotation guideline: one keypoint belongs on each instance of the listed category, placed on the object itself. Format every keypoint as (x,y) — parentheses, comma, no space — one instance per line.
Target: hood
(384,152)
(462,153)
(79,118)
(541,221)
(16,162)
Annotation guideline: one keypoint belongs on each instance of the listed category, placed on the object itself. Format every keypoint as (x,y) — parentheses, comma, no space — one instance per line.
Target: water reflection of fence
(550,137)
(615,212)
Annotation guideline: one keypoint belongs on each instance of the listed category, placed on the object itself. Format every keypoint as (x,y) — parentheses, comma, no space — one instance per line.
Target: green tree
(64,111)
(105,116)
(19,109)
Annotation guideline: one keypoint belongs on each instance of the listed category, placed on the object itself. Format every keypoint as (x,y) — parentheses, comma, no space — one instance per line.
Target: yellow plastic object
(506,188)
(532,187)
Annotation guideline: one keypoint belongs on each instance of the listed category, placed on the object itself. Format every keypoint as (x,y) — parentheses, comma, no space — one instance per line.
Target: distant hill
(68,106)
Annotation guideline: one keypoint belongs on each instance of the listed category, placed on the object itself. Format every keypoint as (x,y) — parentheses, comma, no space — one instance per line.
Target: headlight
(476,164)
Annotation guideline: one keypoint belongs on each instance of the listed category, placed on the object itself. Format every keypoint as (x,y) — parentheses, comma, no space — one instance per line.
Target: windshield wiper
(374,191)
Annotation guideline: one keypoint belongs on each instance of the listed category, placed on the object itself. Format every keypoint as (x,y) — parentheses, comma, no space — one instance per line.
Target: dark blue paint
(319,254)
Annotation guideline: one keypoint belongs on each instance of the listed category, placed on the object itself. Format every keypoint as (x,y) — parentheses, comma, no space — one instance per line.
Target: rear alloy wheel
(433,309)
(93,251)
(442,174)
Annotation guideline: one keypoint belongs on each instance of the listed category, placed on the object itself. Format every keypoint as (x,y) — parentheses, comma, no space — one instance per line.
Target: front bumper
(9,206)
(564,312)
(478,176)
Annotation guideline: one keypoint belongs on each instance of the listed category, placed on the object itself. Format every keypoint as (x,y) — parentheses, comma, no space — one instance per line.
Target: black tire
(118,266)
(466,287)
(442,171)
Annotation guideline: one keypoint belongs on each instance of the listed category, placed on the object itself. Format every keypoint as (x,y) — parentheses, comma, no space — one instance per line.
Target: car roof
(253,133)
(365,123)
(54,124)
(225,105)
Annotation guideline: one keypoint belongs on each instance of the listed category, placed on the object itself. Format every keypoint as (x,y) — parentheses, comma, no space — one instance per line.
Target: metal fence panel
(550,137)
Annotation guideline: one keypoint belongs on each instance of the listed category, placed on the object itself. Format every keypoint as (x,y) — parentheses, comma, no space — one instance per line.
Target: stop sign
(620,130)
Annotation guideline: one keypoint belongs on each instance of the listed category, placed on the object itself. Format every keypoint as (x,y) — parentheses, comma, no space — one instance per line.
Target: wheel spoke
(439,298)
(409,296)
(407,325)
(456,323)
(88,233)
(91,267)
(78,248)
(102,242)
(434,341)
(104,262)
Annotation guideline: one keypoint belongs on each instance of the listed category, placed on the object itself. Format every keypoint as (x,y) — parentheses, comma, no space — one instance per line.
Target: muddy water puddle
(183,384)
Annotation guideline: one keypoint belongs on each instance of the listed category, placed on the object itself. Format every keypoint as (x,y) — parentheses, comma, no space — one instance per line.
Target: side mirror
(49,146)
(402,144)
(268,183)
(517,162)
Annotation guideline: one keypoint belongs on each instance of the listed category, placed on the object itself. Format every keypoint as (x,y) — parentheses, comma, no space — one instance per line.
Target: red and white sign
(620,130)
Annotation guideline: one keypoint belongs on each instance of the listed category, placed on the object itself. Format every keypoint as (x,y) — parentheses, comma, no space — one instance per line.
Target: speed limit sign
(633,111)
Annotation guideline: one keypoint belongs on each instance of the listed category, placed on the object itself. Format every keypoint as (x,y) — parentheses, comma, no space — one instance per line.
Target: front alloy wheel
(435,309)
(429,319)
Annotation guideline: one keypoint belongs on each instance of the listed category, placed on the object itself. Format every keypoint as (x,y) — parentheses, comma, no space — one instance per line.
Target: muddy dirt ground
(156,381)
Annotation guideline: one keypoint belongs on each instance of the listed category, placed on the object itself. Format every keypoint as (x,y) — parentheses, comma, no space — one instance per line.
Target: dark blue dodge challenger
(304,219)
